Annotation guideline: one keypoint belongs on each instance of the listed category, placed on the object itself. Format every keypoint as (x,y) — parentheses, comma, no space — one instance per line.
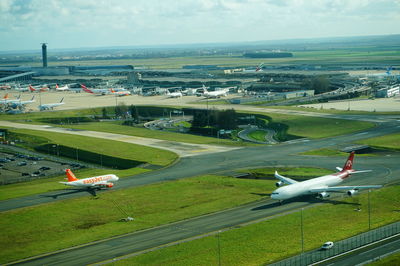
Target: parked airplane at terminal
(7,100)
(176,94)
(21,103)
(120,93)
(320,185)
(41,89)
(50,106)
(63,88)
(215,94)
(102,181)
(95,91)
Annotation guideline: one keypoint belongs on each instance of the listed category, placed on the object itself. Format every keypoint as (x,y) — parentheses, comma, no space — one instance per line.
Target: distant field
(266,242)
(340,56)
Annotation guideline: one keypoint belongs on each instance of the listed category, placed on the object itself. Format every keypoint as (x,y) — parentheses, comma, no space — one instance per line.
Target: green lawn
(317,127)
(116,127)
(258,135)
(391,260)
(391,141)
(275,239)
(106,147)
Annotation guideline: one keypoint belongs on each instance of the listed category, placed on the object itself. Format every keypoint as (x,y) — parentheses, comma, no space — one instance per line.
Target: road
(367,254)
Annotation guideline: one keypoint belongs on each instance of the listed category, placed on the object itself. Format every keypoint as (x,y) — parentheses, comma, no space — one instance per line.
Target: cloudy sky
(24,24)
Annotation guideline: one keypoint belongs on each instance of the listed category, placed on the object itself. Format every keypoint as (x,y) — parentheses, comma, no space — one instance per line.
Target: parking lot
(18,167)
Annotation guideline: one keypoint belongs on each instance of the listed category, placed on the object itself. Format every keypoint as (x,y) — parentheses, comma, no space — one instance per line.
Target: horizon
(94,24)
(209,45)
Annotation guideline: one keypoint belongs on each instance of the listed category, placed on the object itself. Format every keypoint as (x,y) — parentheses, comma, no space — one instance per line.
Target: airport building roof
(20,76)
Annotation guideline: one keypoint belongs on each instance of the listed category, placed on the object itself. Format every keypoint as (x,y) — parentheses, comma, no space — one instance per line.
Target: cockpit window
(275,193)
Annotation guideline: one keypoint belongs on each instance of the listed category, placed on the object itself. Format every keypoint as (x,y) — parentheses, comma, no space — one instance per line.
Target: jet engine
(323,195)
(109,185)
(279,184)
(352,192)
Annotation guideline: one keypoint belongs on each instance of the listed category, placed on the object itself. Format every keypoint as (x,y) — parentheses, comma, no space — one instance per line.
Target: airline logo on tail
(86,89)
(32,89)
(102,181)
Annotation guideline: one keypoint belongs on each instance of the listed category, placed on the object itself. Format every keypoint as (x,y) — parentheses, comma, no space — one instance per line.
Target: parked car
(23,163)
(327,245)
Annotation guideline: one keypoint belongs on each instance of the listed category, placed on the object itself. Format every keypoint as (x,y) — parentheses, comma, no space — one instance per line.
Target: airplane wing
(342,188)
(285,180)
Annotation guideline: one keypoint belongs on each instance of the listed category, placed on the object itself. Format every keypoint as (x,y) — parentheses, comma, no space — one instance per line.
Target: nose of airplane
(275,195)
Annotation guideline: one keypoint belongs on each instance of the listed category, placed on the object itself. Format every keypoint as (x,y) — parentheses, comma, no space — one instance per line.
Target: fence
(342,246)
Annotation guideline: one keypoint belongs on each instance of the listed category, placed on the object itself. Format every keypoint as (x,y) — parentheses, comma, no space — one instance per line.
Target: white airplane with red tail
(101,181)
(320,185)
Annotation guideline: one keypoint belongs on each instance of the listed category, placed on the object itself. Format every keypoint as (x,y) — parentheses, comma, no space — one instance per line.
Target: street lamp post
(219,249)
(302,231)
(369,211)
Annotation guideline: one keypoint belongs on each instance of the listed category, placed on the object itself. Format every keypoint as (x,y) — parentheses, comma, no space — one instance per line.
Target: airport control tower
(44,54)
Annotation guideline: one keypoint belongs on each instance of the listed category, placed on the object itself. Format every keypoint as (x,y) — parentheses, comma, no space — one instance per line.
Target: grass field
(331,111)
(258,135)
(331,152)
(391,141)
(116,127)
(388,261)
(339,56)
(39,186)
(317,127)
(106,147)
(275,239)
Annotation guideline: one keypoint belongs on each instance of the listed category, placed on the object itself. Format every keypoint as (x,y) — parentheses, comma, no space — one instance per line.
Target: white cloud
(123,22)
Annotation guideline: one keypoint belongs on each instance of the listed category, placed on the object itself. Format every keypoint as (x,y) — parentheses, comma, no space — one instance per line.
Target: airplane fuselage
(93,181)
(303,188)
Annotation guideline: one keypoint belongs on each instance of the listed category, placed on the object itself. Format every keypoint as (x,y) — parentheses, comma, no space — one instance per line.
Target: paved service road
(368,254)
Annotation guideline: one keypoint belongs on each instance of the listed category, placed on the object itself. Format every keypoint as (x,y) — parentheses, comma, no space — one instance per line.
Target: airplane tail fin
(71,177)
(31,88)
(57,86)
(349,163)
(5,96)
(86,89)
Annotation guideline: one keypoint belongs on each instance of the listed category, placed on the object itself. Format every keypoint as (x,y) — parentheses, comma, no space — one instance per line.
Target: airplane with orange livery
(101,181)
(42,89)
(120,93)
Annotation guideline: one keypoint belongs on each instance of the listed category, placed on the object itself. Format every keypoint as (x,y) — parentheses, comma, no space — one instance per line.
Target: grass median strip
(391,141)
(104,146)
